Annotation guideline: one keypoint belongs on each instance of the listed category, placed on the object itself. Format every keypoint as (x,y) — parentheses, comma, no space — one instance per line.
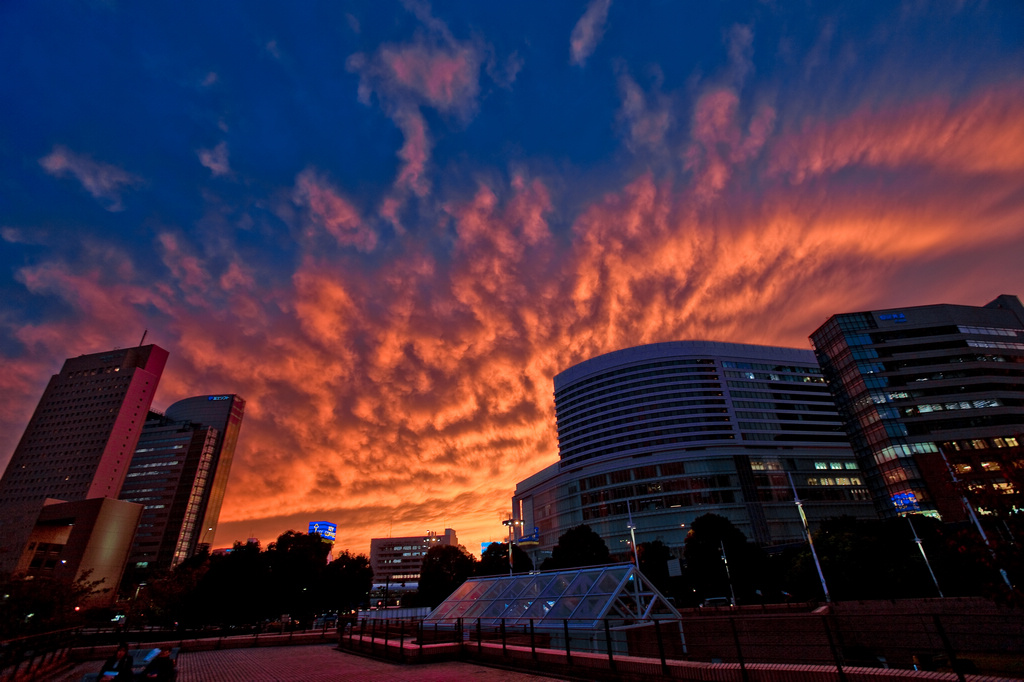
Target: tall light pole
(920,546)
(810,540)
(510,523)
(728,576)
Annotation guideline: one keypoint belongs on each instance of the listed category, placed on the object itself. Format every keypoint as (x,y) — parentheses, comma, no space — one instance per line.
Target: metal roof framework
(583,597)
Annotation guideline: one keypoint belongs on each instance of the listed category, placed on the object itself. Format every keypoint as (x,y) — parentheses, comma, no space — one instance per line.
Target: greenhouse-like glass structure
(581,598)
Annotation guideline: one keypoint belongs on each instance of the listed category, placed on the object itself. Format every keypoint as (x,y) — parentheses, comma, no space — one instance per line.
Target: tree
(654,558)
(494,560)
(347,582)
(38,603)
(445,567)
(709,538)
(577,547)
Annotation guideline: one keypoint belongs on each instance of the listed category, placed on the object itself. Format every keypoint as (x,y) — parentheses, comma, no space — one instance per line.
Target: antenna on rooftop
(144,332)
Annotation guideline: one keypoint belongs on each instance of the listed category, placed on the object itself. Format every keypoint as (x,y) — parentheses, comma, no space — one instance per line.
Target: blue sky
(388,225)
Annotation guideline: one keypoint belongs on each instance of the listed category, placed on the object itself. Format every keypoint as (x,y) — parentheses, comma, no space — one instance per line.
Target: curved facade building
(666,432)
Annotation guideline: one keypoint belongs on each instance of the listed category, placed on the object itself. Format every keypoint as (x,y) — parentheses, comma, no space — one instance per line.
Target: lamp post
(728,575)
(810,540)
(510,523)
(920,546)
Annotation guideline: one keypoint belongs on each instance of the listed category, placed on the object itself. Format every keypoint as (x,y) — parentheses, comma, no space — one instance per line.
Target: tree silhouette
(577,547)
(347,582)
(654,558)
(445,567)
(709,535)
(494,560)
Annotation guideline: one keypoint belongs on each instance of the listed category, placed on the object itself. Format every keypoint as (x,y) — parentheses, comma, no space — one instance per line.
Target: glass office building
(933,400)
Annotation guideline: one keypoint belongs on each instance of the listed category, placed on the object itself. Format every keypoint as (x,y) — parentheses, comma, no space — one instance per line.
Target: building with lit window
(77,447)
(657,435)
(223,413)
(178,472)
(933,400)
(396,562)
(170,477)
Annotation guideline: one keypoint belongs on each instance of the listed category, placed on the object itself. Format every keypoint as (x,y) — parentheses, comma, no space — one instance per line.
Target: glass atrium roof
(583,596)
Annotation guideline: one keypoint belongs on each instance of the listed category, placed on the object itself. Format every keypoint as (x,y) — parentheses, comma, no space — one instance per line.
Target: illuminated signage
(219,397)
(894,317)
(326,529)
(535,537)
(906,502)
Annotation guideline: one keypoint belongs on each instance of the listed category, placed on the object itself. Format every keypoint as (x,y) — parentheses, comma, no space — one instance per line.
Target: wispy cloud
(434,71)
(103,181)
(647,116)
(332,213)
(216,159)
(588,31)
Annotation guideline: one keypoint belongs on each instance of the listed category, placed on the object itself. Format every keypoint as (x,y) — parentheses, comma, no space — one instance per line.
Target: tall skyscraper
(655,436)
(223,413)
(932,398)
(80,439)
(171,477)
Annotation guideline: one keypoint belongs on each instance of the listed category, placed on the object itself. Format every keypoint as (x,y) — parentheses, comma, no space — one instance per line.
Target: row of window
(645,392)
(602,380)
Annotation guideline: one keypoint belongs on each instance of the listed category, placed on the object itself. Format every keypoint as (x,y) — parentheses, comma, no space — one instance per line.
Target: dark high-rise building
(171,477)
(223,413)
(932,398)
(658,435)
(79,441)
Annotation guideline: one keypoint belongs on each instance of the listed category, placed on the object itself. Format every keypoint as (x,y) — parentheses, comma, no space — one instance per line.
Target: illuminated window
(821,465)
(962,468)
(990,466)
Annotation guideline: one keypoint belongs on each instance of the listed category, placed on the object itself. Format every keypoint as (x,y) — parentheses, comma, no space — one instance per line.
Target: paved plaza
(312,663)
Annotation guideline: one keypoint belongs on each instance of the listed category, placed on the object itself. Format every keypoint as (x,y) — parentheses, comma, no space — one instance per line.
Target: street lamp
(920,546)
(510,523)
(810,540)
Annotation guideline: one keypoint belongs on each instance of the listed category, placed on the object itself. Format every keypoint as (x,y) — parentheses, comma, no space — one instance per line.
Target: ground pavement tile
(314,663)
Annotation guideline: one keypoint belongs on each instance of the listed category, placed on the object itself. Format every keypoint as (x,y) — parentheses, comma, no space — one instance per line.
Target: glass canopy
(583,596)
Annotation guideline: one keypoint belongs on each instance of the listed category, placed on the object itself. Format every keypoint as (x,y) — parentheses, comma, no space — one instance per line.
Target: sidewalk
(313,663)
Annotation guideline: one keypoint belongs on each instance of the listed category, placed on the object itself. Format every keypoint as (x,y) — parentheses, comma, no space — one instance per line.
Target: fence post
(953,663)
(419,637)
(479,638)
(533,642)
(504,649)
(608,643)
(739,652)
(661,648)
(836,654)
(565,629)
(401,642)
(387,623)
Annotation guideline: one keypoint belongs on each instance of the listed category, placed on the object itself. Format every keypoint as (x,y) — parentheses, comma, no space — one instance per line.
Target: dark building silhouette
(171,476)
(223,413)
(932,398)
(76,447)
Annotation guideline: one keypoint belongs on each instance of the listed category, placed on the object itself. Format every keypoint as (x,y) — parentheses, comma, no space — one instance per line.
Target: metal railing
(23,657)
(956,643)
